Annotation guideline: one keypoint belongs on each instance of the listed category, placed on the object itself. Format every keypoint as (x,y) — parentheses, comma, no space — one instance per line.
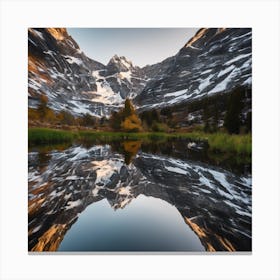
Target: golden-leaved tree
(126,119)
(131,124)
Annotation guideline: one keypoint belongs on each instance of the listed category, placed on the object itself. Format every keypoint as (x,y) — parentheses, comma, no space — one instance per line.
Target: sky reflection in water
(146,224)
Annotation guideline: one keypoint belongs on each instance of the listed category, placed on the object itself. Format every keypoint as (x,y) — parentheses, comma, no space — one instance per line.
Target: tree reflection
(131,149)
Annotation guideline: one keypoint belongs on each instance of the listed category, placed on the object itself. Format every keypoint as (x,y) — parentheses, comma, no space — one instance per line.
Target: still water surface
(132,197)
(146,224)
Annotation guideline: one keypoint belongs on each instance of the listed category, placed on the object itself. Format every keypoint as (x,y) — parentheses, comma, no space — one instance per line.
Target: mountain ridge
(214,60)
(201,68)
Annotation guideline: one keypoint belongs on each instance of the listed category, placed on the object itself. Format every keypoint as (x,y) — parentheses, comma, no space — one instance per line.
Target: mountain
(73,82)
(215,61)
(118,80)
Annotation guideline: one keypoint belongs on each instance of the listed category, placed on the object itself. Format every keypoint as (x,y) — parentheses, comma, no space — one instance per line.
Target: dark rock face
(214,61)
(59,69)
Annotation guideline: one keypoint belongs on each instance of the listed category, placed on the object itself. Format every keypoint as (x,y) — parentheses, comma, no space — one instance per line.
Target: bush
(64,117)
(87,120)
(159,127)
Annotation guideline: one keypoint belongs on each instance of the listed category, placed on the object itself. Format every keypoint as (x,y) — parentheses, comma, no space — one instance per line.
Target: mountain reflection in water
(156,202)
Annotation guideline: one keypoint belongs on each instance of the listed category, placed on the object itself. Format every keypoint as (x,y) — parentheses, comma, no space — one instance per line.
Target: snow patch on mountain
(206,82)
(81,108)
(242,56)
(126,75)
(225,71)
(72,59)
(176,93)
(248,81)
(104,94)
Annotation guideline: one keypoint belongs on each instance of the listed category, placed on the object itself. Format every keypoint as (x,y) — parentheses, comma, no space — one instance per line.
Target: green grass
(239,144)
(223,142)
(218,142)
(49,136)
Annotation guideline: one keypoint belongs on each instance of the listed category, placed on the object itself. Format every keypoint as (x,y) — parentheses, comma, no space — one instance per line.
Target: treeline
(43,115)
(127,120)
(230,112)
(237,120)
(155,120)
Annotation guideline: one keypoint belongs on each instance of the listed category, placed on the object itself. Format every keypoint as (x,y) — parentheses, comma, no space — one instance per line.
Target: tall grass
(222,142)
(218,142)
(49,136)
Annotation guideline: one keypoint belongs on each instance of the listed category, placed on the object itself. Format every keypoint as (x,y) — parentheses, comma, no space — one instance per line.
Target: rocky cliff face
(215,60)
(58,69)
(73,82)
(118,80)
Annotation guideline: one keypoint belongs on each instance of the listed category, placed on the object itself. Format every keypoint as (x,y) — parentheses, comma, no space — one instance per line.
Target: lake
(137,197)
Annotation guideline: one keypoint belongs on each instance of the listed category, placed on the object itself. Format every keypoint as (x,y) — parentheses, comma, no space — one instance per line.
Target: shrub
(159,127)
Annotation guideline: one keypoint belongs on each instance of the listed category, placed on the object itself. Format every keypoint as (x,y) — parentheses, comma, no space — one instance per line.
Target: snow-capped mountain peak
(214,61)
(119,64)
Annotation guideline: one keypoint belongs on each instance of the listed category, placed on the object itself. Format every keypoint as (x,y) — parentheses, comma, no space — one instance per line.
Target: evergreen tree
(232,117)
(206,115)
(128,108)
(87,120)
(44,113)
(102,121)
(215,117)
(166,112)
(150,117)
(42,107)
(115,120)
(248,122)
(66,118)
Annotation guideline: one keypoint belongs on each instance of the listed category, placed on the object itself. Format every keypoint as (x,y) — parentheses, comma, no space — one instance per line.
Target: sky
(142,46)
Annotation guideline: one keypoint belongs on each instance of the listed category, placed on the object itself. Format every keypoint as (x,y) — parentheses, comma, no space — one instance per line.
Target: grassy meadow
(219,142)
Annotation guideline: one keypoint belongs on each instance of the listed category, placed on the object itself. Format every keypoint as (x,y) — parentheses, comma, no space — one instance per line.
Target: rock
(114,179)
(213,61)
(191,145)
(123,173)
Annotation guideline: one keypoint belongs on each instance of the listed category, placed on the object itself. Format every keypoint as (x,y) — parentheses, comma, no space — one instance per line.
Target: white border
(17,16)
